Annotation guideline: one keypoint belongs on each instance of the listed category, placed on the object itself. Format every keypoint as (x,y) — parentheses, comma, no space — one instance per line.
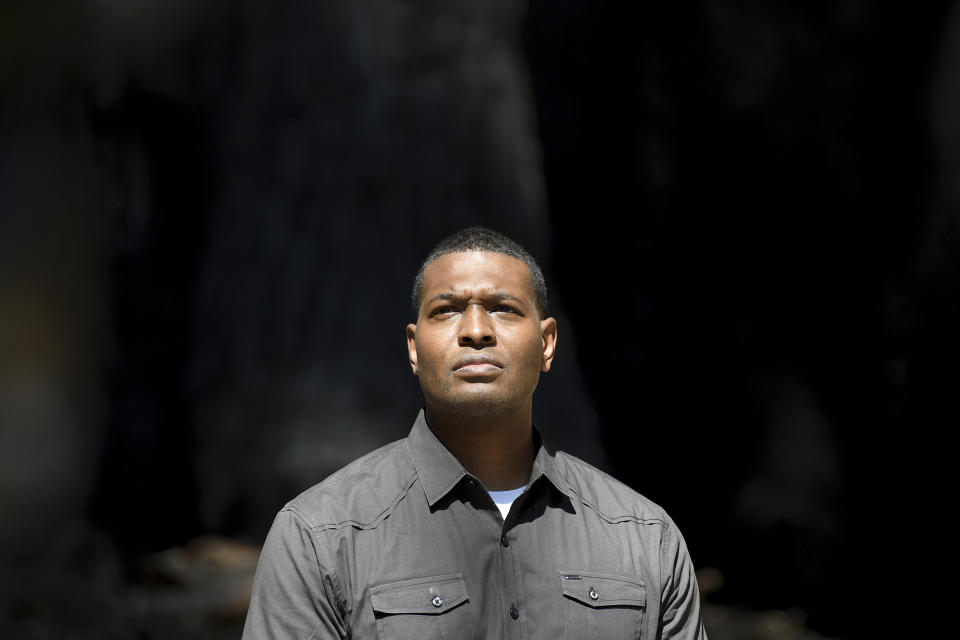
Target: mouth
(478,365)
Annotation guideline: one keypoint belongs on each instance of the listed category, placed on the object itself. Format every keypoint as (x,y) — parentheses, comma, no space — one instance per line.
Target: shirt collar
(440,471)
(545,465)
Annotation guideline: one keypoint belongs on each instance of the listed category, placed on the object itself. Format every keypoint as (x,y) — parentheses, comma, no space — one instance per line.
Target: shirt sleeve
(680,598)
(295,591)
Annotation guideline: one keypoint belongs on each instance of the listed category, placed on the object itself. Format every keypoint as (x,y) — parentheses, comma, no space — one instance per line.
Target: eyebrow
(500,295)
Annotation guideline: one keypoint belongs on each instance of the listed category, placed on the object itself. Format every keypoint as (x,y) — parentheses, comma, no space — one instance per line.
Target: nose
(476,330)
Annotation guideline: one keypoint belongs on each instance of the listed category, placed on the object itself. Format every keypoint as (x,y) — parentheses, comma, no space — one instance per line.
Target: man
(470,527)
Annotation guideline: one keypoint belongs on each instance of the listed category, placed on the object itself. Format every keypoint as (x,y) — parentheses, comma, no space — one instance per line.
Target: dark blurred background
(211,214)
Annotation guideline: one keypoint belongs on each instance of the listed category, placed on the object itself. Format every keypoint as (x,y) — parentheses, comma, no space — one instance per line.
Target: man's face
(479,343)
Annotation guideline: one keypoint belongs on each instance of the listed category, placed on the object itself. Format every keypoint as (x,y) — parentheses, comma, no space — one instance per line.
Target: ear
(548,338)
(412,347)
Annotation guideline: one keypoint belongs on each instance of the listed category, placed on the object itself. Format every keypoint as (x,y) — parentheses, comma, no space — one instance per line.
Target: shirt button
(437,601)
(504,541)
(593,594)
(513,612)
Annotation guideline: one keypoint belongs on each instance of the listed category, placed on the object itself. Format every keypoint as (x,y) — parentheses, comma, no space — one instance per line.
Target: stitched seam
(618,519)
(331,570)
(372,524)
(365,468)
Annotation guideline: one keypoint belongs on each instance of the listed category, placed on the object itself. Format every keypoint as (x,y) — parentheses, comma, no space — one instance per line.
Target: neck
(497,448)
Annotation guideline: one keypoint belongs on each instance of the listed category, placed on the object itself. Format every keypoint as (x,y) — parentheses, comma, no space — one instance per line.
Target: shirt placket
(512,574)
(509,578)
(509,566)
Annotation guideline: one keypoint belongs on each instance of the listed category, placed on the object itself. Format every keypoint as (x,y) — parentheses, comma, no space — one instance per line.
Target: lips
(478,362)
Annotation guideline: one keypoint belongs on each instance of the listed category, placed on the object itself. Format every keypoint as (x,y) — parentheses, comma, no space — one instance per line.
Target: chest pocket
(602,605)
(425,608)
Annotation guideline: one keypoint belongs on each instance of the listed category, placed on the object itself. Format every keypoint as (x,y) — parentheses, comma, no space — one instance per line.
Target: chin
(476,405)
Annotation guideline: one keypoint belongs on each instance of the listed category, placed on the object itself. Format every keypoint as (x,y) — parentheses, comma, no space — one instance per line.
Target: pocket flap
(603,589)
(431,595)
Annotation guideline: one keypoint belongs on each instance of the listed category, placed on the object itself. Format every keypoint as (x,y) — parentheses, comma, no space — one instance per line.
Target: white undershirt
(503,499)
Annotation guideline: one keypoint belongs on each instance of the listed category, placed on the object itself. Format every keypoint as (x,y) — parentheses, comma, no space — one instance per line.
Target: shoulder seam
(618,519)
(373,523)
(569,460)
(367,466)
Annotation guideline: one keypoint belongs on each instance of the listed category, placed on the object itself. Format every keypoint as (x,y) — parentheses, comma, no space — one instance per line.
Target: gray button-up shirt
(404,543)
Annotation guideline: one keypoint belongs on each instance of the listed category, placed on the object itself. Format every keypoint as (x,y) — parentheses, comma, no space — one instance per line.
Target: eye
(443,311)
(504,308)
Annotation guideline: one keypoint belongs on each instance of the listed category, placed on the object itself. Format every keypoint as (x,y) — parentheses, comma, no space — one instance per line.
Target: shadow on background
(210,218)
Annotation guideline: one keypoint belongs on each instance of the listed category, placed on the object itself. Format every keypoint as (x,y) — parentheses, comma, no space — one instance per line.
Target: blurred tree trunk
(297,163)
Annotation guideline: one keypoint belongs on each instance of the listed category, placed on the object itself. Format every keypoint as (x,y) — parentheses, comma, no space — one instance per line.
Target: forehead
(477,270)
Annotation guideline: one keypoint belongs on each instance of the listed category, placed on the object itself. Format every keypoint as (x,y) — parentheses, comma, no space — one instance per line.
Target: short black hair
(483,239)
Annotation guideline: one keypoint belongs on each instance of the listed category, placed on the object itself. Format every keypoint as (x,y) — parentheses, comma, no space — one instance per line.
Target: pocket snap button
(437,601)
(593,594)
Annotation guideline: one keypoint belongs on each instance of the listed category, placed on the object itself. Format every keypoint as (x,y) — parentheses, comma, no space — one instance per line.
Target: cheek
(428,357)
(531,356)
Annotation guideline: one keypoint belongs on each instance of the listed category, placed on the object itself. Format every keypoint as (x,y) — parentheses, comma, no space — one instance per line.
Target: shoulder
(610,498)
(360,494)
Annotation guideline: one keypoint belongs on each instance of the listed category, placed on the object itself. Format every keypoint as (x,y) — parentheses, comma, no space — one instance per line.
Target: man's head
(482,239)
(481,338)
